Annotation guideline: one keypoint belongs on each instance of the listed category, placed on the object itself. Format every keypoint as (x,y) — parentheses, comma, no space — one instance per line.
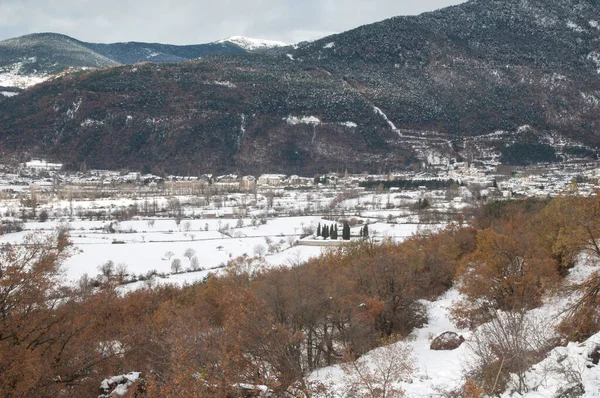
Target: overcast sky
(199,21)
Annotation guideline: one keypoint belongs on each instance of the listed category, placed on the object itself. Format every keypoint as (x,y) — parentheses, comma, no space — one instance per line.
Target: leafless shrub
(505,348)
(378,375)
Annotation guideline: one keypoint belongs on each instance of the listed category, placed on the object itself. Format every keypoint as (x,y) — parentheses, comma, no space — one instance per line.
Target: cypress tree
(319,230)
(346,231)
(366,230)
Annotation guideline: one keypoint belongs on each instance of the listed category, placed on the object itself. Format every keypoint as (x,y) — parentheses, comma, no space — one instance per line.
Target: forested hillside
(378,97)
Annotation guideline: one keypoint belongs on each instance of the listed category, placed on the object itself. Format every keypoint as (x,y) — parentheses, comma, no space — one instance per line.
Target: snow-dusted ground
(565,367)
(435,371)
(11,76)
(142,245)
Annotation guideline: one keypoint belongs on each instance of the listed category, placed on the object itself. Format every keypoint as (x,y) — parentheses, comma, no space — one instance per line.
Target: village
(179,229)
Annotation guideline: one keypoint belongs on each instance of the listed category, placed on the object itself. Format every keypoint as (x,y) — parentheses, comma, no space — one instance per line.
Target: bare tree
(269,195)
(107,269)
(259,250)
(121,272)
(194,263)
(169,255)
(176,265)
(189,253)
(508,344)
(378,374)
(291,240)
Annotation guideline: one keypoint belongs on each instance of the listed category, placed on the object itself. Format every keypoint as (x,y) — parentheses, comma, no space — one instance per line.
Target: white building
(272,180)
(39,164)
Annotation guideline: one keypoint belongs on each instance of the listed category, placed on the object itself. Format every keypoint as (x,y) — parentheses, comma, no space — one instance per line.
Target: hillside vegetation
(271,327)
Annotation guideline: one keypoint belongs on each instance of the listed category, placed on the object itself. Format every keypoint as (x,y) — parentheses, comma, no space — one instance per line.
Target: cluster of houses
(543,181)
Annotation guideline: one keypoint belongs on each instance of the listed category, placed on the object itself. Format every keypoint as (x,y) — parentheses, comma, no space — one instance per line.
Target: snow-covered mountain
(28,60)
(250,44)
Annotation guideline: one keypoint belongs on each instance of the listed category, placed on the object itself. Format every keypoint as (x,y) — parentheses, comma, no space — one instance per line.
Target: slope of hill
(478,77)
(31,59)
(131,53)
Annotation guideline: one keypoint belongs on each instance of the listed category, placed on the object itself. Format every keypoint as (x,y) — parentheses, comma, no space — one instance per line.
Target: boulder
(447,341)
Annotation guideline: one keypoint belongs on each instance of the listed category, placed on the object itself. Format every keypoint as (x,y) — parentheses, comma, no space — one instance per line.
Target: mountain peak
(251,44)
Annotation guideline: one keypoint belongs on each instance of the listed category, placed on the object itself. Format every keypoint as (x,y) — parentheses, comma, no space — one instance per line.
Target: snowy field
(149,245)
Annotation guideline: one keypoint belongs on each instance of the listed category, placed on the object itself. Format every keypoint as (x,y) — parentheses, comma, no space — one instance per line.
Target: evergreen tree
(346,231)
(334,234)
(366,230)
(325,232)
(319,230)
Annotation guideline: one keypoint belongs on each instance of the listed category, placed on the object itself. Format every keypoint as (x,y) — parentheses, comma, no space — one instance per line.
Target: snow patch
(565,367)
(13,76)
(294,120)
(290,56)
(595,58)
(118,385)
(350,125)
(91,123)
(224,84)
(242,130)
(329,45)
(595,24)
(575,27)
(384,116)
(590,99)
(436,158)
(8,93)
(72,111)
(251,44)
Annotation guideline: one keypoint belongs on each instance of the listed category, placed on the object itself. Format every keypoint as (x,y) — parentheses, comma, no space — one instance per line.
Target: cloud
(201,21)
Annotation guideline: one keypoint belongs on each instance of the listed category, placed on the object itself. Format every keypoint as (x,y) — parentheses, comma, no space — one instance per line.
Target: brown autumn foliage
(249,326)
(523,249)
(271,327)
(520,253)
(583,318)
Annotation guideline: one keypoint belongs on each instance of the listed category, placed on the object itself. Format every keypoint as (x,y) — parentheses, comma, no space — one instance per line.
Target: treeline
(407,184)
(520,154)
(271,327)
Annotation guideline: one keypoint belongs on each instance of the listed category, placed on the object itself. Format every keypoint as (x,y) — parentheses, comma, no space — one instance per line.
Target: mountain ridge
(42,55)
(389,95)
